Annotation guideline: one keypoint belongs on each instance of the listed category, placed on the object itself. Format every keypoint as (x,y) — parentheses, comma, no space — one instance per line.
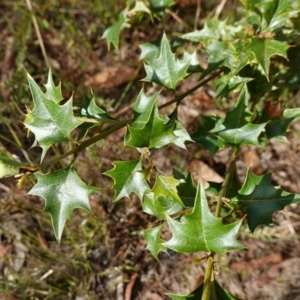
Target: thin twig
(196,87)
(197,15)
(38,33)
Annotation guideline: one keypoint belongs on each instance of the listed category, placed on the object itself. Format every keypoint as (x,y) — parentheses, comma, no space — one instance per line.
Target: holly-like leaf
(264,49)
(205,138)
(277,127)
(154,241)
(159,206)
(192,60)
(217,292)
(273,13)
(165,70)
(152,130)
(236,128)
(140,6)
(63,191)
(149,51)
(186,189)
(90,110)
(228,83)
(166,186)
(112,33)
(128,178)
(213,30)
(50,122)
(53,92)
(259,199)
(158,6)
(199,230)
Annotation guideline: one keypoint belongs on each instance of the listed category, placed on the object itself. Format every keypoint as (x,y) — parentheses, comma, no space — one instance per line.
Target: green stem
(226,184)
(83,145)
(193,89)
(207,278)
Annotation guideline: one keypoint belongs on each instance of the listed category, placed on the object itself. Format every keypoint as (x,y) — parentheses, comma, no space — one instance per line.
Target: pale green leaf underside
(50,122)
(199,230)
(154,242)
(128,178)
(165,70)
(63,191)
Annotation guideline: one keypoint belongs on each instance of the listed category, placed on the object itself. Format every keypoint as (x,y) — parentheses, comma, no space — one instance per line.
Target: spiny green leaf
(236,128)
(199,230)
(217,293)
(154,242)
(231,55)
(50,122)
(166,186)
(112,33)
(159,6)
(165,70)
(143,109)
(277,127)
(273,13)
(264,49)
(260,199)
(128,178)
(213,30)
(90,110)
(159,206)
(63,191)
(149,51)
(228,83)
(186,189)
(192,60)
(53,92)
(205,138)
(152,130)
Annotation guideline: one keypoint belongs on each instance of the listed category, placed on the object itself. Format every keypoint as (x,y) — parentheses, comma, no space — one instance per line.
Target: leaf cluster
(245,58)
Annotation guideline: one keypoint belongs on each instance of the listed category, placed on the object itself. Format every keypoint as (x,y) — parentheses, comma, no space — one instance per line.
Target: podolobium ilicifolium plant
(254,57)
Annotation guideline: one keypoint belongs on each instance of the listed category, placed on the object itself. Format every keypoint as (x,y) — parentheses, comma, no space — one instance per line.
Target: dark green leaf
(186,189)
(236,128)
(206,139)
(128,178)
(199,230)
(228,83)
(63,191)
(217,293)
(158,6)
(259,199)
(277,128)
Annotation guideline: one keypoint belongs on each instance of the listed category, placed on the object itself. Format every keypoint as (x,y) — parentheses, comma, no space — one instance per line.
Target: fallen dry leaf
(110,77)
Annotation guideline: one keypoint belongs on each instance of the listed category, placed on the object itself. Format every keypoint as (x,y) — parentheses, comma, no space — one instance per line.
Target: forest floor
(102,256)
